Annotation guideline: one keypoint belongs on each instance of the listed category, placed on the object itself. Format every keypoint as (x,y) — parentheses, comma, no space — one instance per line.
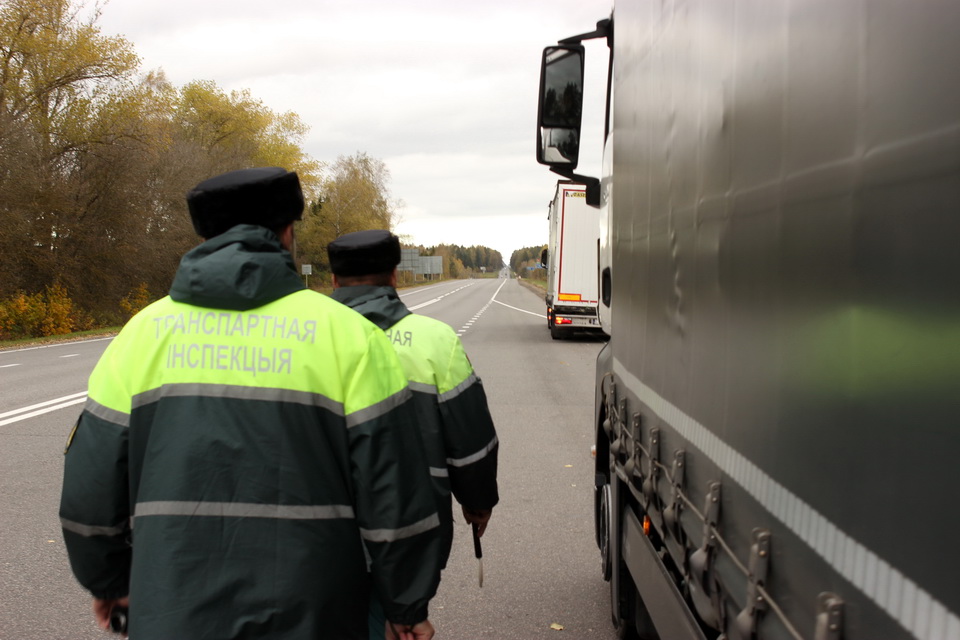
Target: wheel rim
(606,525)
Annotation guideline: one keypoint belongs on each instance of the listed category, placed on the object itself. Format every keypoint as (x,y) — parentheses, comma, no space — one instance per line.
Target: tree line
(97,155)
(460,262)
(526,257)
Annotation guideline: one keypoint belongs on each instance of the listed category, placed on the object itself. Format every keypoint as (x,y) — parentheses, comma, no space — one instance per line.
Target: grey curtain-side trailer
(778,407)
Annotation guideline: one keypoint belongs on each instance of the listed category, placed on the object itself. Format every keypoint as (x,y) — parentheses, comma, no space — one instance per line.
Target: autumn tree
(59,79)
(96,157)
(353,196)
(235,130)
(455,268)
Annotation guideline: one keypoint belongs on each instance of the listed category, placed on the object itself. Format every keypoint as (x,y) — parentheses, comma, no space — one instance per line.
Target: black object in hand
(477,551)
(118,619)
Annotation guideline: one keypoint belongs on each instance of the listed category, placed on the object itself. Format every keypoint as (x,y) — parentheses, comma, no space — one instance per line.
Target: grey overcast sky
(443,91)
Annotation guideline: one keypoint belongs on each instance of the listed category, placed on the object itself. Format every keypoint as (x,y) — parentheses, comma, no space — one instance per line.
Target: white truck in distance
(571,262)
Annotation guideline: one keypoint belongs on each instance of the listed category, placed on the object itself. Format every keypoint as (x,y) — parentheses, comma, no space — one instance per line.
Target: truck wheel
(604,524)
(555,333)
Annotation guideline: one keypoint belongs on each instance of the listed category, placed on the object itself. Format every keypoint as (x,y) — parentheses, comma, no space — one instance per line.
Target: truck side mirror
(560,107)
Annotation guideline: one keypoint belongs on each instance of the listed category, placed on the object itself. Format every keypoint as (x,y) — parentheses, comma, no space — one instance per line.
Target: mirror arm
(592,184)
(602,31)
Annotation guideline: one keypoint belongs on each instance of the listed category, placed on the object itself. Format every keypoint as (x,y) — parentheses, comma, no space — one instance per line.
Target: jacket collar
(243,268)
(380,305)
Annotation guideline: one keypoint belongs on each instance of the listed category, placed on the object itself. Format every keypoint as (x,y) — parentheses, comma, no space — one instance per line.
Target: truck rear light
(562,321)
(646,525)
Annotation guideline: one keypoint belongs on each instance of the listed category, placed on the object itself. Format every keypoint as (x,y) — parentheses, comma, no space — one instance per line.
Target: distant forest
(526,257)
(459,262)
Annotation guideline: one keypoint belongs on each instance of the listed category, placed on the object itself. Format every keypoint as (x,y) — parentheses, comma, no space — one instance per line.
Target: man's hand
(479,517)
(102,609)
(420,631)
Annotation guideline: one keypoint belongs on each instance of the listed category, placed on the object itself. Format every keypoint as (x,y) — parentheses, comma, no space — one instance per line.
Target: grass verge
(66,337)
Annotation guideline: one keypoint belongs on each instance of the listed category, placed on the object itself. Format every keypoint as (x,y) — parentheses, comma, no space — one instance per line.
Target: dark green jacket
(455,422)
(252,439)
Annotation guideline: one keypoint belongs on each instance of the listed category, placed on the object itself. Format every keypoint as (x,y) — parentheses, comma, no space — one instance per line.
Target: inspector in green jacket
(246,452)
(458,431)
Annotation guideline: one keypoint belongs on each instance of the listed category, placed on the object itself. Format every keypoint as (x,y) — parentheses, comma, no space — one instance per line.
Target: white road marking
(57,344)
(469,324)
(539,315)
(439,298)
(413,290)
(42,408)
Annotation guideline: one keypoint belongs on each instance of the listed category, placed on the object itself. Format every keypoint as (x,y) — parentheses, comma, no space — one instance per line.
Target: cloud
(443,92)
(471,199)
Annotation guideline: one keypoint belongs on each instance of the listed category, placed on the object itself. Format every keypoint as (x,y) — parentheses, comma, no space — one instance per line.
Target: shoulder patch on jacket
(73,433)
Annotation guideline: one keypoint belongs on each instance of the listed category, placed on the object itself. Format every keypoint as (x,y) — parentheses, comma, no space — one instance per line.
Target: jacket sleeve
(470,438)
(396,507)
(94,502)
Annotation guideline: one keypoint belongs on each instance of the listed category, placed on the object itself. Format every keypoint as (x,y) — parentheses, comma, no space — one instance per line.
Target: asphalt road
(541,566)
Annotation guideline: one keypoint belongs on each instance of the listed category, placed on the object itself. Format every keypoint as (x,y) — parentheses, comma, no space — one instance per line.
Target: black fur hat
(364,253)
(265,196)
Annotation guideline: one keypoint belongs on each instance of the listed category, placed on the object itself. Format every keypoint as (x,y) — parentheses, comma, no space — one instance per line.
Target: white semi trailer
(571,261)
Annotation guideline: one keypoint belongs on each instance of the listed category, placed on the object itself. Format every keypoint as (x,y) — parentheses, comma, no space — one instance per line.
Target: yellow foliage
(40,314)
(133,302)
(58,312)
(20,315)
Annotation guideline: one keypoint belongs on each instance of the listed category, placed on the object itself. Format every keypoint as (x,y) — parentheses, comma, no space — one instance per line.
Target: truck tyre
(604,524)
(555,333)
